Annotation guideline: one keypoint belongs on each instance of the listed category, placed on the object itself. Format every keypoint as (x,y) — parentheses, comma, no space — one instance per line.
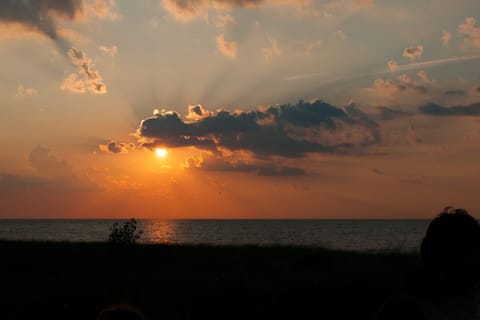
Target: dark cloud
(287,130)
(46,164)
(385,113)
(40,15)
(438,110)
(455,93)
(116,147)
(260,168)
(51,176)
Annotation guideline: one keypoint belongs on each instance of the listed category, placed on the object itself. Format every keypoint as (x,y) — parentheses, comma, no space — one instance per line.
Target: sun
(161,152)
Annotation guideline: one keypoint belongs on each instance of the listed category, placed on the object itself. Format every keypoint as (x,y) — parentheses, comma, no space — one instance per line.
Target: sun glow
(161,152)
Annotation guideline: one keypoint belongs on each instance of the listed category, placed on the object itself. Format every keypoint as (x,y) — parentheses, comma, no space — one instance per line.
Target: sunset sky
(239,108)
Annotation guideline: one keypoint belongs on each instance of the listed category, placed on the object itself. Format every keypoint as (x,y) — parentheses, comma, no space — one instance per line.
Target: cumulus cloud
(86,78)
(23,91)
(272,51)
(471,32)
(197,112)
(227,48)
(291,130)
(446,37)
(109,51)
(413,53)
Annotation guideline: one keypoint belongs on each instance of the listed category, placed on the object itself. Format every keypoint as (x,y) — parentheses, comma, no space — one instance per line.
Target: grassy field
(77,280)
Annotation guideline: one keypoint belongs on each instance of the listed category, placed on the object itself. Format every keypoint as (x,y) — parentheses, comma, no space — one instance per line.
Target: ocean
(357,235)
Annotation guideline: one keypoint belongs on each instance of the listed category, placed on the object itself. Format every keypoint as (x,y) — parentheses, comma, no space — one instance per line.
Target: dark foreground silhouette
(123,280)
(451,251)
(79,280)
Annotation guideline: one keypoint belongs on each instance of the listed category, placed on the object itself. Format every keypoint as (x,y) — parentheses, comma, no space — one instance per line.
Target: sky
(176,109)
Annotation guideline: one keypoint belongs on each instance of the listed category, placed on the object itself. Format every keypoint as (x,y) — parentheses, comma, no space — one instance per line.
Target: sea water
(359,235)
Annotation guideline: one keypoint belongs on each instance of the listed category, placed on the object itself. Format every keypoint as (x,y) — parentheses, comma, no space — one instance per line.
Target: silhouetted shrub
(453,233)
(125,233)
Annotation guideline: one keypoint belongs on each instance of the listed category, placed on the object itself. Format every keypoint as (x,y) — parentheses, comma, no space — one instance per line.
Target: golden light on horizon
(161,152)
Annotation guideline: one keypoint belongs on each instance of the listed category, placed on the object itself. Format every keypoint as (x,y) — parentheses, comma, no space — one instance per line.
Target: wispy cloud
(86,78)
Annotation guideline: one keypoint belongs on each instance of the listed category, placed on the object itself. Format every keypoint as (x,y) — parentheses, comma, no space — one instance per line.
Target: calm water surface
(404,235)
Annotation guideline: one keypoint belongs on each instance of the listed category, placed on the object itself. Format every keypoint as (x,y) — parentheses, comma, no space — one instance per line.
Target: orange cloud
(186,10)
(471,31)
(413,53)
(227,48)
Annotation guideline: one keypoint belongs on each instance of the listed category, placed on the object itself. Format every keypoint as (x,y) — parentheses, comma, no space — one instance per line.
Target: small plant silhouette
(125,233)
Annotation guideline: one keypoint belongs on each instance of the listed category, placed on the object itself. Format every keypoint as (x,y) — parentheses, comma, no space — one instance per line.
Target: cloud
(47,164)
(446,37)
(413,53)
(287,131)
(471,32)
(232,164)
(197,112)
(385,114)
(227,48)
(86,78)
(23,91)
(272,51)
(52,185)
(476,90)
(40,16)
(455,92)
(223,21)
(392,65)
(365,3)
(105,9)
(186,10)
(422,74)
(116,147)
(109,51)
(392,88)
(438,110)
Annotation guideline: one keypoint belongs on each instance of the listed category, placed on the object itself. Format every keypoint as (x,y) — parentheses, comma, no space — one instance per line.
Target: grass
(77,280)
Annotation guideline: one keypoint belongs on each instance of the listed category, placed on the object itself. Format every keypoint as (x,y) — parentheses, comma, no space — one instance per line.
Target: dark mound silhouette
(452,234)
(451,251)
